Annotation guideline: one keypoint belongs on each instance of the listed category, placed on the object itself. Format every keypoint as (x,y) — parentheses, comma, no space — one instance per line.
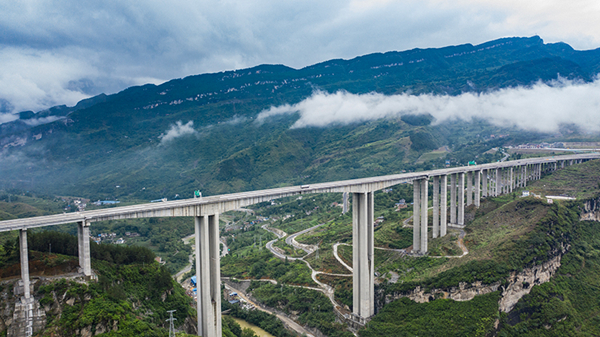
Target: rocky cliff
(517,285)
(590,210)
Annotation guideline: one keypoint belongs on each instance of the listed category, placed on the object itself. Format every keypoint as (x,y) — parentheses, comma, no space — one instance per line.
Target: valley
(521,264)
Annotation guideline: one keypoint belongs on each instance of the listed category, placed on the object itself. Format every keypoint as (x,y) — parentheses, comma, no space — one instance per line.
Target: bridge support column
(498,183)
(416,216)
(83,238)
(424,209)
(461,198)
(436,207)
(469,188)
(24,263)
(512,179)
(453,198)
(524,176)
(208,275)
(444,205)
(477,188)
(345,203)
(484,183)
(362,255)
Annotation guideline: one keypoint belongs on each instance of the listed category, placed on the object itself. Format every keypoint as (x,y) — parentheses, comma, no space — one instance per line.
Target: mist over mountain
(272,125)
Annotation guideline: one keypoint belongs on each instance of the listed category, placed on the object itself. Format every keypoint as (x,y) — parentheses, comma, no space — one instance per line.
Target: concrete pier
(484,183)
(208,275)
(469,188)
(416,217)
(362,255)
(83,238)
(436,207)
(443,205)
(498,182)
(453,198)
(477,188)
(461,198)
(24,263)
(424,218)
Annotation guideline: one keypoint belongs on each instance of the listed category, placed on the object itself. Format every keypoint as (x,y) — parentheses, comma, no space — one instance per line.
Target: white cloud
(177,130)
(542,107)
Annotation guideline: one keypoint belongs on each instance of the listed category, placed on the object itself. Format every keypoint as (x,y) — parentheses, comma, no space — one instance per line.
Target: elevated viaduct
(481,181)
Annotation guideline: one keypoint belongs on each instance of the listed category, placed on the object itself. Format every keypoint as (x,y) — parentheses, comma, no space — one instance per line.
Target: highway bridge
(481,181)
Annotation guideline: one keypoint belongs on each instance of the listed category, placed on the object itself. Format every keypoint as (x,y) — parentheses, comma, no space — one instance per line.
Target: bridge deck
(225,202)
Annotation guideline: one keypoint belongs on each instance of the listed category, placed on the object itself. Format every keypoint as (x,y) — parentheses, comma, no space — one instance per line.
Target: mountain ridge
(116,140)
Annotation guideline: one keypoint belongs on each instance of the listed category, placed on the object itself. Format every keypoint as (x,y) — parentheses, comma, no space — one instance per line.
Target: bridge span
(484,180)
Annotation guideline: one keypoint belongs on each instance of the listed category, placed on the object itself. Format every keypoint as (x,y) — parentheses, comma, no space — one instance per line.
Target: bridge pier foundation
(208,286)
(362,255)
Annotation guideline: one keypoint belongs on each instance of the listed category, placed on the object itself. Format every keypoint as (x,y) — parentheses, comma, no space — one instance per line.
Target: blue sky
(60,51)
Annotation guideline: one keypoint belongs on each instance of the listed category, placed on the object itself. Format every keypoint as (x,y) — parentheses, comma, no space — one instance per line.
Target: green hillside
(115,140)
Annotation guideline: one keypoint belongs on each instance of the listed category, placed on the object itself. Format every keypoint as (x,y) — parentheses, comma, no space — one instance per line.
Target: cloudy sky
(60,51)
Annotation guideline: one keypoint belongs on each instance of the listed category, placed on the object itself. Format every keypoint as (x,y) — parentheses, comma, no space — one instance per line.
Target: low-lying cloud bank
(177,130)
(543,107)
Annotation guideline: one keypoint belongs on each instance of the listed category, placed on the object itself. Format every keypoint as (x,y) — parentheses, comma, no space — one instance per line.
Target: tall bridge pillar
(484,183)
(498,183)
(443,205)
(424,209)
(477,188)
(436,207)
(461,199)
(416,216)
(453,198)
(83,238)
(420,208)
(208,275)
(24,263)
(362,256)
(469,188)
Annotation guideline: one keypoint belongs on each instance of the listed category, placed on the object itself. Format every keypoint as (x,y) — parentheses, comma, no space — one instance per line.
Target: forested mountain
(119,146)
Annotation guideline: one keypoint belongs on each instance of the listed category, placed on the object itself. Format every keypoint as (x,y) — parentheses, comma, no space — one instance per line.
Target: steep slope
(123,139)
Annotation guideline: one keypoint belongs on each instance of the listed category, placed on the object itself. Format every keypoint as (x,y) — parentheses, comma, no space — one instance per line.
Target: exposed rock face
(464,292)
(519,284)
(27,316)
(591,210)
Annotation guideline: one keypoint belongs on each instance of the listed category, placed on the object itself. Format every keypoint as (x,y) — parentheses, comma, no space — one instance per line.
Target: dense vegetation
(441,317)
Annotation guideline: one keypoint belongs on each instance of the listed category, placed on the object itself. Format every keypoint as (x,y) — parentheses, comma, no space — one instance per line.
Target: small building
(525,194)
(193,280)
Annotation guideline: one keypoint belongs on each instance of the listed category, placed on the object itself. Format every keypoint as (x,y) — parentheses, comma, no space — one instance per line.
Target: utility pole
(171,320)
